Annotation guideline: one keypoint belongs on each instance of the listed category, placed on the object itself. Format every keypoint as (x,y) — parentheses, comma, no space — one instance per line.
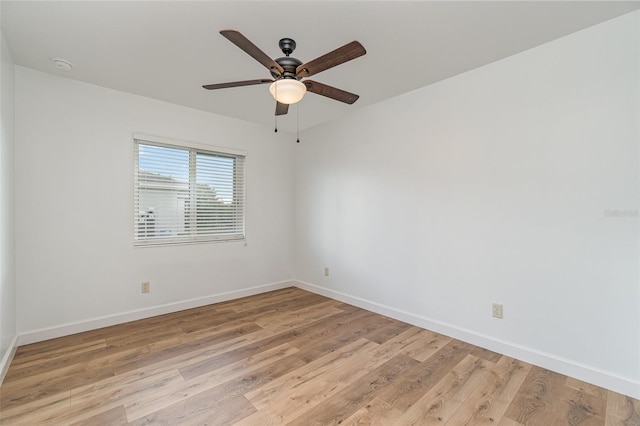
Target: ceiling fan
(287,86)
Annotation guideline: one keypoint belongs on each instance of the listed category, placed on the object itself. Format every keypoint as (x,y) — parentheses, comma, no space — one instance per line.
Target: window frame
(194,148)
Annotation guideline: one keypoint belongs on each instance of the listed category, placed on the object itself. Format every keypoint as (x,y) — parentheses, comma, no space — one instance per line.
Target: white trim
(192,240)
(109,320)
(187,144)
(551,362)
(8,357)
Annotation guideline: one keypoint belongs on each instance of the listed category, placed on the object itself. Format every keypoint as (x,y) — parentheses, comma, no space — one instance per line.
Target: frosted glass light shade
(289,90)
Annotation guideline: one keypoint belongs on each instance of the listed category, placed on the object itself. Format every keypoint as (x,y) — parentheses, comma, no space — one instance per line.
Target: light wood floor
(289,357)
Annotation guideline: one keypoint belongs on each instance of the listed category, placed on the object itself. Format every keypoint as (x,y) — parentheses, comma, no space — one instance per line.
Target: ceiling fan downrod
(288,63)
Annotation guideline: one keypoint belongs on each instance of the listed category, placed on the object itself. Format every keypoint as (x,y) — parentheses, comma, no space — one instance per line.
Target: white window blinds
(185,194)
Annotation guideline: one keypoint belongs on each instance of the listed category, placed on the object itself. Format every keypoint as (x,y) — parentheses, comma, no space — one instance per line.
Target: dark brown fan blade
(336,57)
(245,44)
(330,92)
(236,84)
(281,109)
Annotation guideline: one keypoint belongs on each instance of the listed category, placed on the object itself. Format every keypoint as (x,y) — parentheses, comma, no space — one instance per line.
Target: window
(185,194)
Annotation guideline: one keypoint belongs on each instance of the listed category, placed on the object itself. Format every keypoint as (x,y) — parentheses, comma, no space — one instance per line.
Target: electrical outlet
(145,287)
(497,310)
(326,271)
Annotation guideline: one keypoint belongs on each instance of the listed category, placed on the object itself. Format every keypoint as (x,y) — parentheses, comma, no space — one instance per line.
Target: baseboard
(8,356)
(109,320)
(532,356)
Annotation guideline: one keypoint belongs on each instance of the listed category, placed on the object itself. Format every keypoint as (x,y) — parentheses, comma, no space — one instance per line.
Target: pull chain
(275,118)
(298,122)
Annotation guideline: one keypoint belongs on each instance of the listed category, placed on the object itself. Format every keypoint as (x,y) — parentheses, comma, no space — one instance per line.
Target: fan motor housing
(289,64)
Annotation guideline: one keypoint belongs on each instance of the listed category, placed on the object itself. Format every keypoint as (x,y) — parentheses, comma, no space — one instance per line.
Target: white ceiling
(167,49)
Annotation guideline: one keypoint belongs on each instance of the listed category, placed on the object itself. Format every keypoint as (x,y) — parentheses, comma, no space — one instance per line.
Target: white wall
(489,187)
(74,208)
(7,240)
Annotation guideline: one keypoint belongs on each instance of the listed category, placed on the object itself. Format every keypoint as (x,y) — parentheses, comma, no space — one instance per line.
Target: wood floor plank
(63,364)
(344,328)
(37,359)
(152,393)
(584,408)
(223,359)
(490,400)
(143,405)
(284,306)
(131,379)
(485,354)
(203,344)
(50,384)
(308,397)
(586,387)
(57,344)
(200,409)
(85,405)
(418,379)
(202,403)
(399,343)
(113,417)
(506,421)
(622,410)
(426,345)
(281,387)
(179,359)
(386,329)
(294,319)
(376,413)
(343,404)
(439,404)
(32,411)
(540,401)
(252,302)
(289,357)
(133,387)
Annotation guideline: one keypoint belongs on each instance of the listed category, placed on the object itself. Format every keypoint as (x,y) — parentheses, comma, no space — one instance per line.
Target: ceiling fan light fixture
(287,90)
